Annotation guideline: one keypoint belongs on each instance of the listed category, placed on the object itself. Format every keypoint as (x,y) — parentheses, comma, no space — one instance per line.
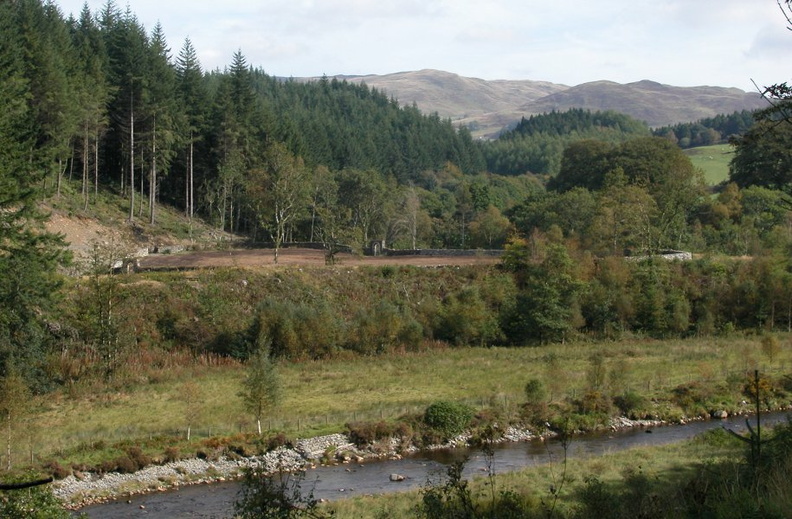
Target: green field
(713,161)
(321,397)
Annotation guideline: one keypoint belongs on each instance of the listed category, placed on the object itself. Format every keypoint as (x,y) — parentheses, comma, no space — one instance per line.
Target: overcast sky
(677,42)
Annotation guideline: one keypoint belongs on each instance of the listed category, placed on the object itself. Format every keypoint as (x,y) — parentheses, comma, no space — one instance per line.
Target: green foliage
(466,319)
(451,499)
(32,136)
(536,144)
(631,404)
(32,503)
(535,391)
(449,419)
(708,131)
(545,309)
(278,496)
(261,390)
(761,156)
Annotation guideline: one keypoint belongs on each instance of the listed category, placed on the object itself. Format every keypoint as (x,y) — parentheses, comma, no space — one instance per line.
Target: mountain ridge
(489,106)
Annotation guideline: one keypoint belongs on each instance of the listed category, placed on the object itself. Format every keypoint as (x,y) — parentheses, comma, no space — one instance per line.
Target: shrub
(449,419)
(594,402)
(33,503)
(536,414)
(690,396)
(138,458)
(278,440)
(630,403)
(125,465)
(535,391)
(172,454)
(57,470)
(363,434)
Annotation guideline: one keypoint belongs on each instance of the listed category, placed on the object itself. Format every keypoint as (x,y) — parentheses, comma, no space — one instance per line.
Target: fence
(507,404)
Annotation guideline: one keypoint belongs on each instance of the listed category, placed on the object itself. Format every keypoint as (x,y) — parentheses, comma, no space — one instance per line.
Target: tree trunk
(8,442)
(85,173)
(188,181)
(131,156)
(142,171)
(153,179)
(96,166)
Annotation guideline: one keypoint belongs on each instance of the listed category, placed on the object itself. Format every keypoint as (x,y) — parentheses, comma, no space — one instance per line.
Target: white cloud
(681,42)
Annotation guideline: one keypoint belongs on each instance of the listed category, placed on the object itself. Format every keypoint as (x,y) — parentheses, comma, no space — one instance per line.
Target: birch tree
(261,388)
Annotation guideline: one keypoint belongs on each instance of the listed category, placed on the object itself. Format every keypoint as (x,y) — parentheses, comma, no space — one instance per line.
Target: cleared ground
(297,257)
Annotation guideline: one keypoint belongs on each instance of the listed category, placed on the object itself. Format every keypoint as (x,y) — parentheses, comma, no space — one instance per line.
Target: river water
(216,500)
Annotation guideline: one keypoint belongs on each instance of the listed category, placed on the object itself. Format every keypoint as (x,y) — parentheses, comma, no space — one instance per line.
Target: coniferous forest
(102,103)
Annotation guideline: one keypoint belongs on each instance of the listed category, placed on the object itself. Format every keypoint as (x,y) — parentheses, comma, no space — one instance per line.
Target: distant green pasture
(713,161)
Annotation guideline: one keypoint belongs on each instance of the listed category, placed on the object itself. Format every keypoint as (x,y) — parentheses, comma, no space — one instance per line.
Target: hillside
(489,106)
(657,104)
(485,106)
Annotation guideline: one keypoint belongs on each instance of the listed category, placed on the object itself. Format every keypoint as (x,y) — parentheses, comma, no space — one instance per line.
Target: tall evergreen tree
(92,94)
(48,65)
(193,100)
(162,111)
(28,255)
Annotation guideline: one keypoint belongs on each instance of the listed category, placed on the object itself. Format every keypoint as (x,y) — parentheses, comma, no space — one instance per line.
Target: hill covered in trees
(101,103)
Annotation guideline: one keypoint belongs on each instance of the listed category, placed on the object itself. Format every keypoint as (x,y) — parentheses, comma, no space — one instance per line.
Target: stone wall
(444,252)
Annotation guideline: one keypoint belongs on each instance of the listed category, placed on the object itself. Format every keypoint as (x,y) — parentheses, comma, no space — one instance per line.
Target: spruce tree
(29,256)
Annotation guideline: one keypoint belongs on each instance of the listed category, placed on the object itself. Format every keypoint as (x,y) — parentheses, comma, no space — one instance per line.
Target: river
(216,500)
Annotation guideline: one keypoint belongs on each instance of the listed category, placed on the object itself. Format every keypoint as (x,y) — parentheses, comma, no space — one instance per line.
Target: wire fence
(34,444)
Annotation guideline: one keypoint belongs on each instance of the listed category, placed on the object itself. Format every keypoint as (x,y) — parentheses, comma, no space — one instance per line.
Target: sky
(730,43)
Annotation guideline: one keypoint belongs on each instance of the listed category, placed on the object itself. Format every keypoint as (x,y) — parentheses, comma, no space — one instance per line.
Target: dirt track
(301,257)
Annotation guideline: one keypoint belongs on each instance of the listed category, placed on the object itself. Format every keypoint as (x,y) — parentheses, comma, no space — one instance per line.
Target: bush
(630,404)
(594,402)
(125,465)
(536,414)
(138,458)
(535,392)
(449,419)
(32,503)
(363,434)
(691,396)
(278,440)
(57,470)
(172,454)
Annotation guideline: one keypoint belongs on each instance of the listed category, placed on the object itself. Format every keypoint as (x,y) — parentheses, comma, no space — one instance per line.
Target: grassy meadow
(713,161)
(85,424)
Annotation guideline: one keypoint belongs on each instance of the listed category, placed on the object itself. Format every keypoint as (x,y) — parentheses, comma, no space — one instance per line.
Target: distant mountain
(657,104)
(487,107)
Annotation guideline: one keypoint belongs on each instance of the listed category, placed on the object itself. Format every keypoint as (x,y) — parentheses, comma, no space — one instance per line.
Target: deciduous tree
(260,388)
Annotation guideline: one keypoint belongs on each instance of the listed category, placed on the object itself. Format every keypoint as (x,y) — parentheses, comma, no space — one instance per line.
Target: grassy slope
(713,160)
(321,396)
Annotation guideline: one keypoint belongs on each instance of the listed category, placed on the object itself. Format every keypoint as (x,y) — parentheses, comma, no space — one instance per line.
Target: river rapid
(216,500)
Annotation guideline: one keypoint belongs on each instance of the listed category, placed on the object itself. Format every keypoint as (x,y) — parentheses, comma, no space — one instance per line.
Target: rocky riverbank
(85,488)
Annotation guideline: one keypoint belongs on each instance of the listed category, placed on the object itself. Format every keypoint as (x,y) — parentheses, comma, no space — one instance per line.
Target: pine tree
(162,110)
(92,94)
(29,256)
(193,100)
